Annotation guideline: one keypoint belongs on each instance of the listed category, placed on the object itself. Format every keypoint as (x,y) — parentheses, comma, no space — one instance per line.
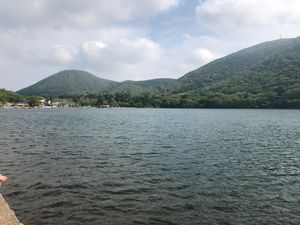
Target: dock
(7,216)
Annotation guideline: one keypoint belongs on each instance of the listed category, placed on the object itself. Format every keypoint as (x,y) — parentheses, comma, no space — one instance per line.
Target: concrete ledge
(7,216)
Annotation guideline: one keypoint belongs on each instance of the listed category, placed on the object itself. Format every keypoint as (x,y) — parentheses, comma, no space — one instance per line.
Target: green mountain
(68,83)
(76,82)
(138,87)
(266,75)
(263,76)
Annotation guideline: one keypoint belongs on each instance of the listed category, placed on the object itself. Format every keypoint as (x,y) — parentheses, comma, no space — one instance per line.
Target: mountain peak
(68,83)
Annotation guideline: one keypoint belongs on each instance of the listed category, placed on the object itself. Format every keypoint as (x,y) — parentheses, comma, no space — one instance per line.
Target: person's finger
(3,178)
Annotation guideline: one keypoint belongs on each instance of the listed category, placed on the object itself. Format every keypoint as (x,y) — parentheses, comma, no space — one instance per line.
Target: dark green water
(151,166)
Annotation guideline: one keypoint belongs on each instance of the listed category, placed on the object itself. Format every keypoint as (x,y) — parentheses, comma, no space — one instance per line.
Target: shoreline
(7,216)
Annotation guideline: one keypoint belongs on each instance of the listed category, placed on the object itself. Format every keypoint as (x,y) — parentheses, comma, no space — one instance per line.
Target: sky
(132,39)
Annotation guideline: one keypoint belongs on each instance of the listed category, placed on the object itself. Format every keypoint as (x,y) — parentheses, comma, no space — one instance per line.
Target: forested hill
(263,76)
(68,83)
(10,96)
(266,75)
(139,87)
(76,82)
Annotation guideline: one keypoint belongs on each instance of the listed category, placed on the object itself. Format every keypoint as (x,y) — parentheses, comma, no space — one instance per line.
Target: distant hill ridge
(262,76)
(77,82)
(235,64)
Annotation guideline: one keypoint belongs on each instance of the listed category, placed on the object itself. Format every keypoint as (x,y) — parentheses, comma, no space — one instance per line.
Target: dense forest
(188,100)
(9,96)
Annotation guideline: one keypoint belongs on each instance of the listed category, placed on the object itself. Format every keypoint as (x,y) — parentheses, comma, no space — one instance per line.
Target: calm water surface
(151,166)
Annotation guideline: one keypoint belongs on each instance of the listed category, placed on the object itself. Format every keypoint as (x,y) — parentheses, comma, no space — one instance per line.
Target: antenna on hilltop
(280,37)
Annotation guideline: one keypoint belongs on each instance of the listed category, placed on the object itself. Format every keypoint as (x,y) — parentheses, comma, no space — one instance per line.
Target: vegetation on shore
(12,97)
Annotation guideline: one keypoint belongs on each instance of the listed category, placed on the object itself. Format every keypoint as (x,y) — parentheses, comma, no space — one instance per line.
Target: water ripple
(152,166)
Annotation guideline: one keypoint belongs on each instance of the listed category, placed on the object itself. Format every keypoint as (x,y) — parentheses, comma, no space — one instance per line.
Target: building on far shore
(42,102)
(104,106)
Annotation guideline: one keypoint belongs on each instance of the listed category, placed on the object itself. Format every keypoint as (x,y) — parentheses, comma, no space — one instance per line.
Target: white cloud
(92,48)
(115,53)
(77,13)
(242,23)
(109,38)
(51,55)
(119,59)
(136,39)
(203,55)
(123,51)
(62,55)
(139,49)
(231,14)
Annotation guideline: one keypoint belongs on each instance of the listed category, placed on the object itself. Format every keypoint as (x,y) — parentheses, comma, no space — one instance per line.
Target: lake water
(151,166)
